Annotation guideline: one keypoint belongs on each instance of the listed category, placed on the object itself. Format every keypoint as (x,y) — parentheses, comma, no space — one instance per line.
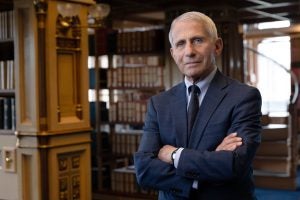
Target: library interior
(76,76)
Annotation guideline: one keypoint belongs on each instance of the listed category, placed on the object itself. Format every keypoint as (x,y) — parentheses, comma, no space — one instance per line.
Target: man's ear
(218,46)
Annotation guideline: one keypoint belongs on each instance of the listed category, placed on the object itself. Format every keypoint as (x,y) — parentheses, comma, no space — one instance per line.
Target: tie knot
(194,89)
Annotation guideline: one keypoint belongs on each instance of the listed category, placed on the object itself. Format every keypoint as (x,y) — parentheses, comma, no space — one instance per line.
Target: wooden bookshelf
(134,73)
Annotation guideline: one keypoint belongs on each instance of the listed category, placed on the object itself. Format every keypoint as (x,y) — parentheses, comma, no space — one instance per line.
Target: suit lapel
(178,106)
(212,99)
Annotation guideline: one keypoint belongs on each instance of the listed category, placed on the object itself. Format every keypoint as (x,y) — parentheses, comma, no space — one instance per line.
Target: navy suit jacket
(228,106)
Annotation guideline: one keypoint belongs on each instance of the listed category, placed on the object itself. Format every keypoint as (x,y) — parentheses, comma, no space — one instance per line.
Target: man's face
(193,50)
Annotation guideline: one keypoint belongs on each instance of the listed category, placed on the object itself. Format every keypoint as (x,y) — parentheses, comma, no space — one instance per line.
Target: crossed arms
(231,158)
(229,143)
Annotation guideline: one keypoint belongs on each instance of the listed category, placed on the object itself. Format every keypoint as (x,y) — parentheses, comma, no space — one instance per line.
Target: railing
(293,76)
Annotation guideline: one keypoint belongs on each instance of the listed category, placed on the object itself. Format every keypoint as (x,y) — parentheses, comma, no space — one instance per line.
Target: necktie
(193,106)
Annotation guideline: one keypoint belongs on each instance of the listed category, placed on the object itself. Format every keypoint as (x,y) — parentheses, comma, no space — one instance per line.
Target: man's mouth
(191,63)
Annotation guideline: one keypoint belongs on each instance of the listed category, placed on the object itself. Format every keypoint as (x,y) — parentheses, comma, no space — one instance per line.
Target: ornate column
(53,126)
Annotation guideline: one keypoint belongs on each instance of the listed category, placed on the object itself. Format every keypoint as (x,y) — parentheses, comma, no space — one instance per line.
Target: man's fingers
(233,146)
(231,135)
(230,142)
(229,147)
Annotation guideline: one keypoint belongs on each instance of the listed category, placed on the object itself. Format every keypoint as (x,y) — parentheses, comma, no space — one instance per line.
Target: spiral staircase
(277,158)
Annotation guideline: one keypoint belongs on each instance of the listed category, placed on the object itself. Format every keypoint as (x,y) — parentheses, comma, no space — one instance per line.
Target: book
(13,113)
(7,113)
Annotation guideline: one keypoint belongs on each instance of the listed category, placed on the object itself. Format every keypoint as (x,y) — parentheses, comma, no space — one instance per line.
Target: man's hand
(230,143)
(165,152)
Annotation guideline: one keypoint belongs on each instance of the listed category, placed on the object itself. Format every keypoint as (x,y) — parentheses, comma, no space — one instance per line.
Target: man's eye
(179,44)
(198,41)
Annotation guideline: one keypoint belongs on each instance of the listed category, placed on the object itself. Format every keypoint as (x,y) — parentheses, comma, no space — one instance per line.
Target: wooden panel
(67,85)
(26,177)
(29,177)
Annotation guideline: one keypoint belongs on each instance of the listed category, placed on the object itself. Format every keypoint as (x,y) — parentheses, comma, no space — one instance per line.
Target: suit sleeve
(222,166)
(152,172)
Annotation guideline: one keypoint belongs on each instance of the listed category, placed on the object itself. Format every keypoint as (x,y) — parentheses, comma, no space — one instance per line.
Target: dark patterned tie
(193,106)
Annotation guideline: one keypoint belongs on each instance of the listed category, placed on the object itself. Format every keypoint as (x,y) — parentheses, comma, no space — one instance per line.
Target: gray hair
(207,22)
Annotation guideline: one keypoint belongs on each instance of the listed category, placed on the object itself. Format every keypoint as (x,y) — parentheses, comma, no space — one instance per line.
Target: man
(212,161)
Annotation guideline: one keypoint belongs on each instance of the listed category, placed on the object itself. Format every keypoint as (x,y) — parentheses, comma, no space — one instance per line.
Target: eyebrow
(190,39)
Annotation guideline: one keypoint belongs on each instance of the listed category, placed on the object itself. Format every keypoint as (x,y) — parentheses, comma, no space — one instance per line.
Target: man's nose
(189,49)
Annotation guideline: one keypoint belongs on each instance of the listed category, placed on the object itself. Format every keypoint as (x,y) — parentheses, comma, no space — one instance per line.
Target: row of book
(7,77)
(128,42)
(133,95)
(131,60)
(140,41)
(135,77)
(127,112)
(124,180)
(6,25)
(7,113)
(138,60)
(126,144)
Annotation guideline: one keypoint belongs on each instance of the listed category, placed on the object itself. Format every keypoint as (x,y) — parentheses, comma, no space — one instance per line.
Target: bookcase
(132,68)
(7,70)
(7,104)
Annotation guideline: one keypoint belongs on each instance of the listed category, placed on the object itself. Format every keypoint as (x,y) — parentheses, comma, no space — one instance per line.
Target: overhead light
(68,9)
(68,12)
(98,12)
(275,24)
